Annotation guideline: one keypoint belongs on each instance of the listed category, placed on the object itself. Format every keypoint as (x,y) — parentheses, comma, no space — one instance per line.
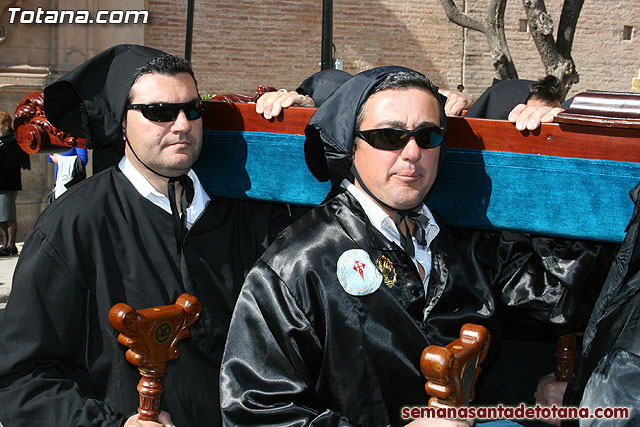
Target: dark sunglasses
(165,112)
(395,139)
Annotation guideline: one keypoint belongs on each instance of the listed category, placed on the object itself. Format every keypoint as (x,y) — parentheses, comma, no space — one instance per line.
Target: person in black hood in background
(317,88)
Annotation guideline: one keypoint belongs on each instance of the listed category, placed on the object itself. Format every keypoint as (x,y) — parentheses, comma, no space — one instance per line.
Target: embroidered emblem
(357,274)
(359,267)
(384,266)
(162,333)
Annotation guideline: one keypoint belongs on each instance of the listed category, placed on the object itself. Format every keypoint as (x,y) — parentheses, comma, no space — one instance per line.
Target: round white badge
(357,274)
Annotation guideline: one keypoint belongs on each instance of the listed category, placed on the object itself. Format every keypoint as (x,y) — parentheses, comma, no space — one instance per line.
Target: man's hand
(164,420)
(271,104)
(530,117)
(550,392)
(436,422)
(54,158)
(456,102)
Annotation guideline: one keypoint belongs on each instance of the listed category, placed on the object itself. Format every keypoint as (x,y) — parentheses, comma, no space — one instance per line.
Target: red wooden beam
(552,139)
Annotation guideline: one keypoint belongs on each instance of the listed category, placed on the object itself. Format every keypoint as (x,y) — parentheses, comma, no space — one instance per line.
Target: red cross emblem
(359,267)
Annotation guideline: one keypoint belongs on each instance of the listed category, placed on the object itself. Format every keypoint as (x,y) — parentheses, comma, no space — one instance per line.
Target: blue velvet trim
(258,165)
(557,196)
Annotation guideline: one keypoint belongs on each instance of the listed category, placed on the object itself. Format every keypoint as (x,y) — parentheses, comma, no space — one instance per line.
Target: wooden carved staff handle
(451,371)
(151,336)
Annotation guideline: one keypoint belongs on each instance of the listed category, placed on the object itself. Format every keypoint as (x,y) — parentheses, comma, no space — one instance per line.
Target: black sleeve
(42,375)
(614,384)
(553,280)
(265,377)
(280,218)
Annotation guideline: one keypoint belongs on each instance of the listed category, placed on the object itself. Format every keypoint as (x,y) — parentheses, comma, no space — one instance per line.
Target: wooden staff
(451,371)
(151,336)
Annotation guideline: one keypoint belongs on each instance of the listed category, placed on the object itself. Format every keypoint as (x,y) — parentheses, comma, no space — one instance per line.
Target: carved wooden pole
(151,336)
(451,371)
(565,356)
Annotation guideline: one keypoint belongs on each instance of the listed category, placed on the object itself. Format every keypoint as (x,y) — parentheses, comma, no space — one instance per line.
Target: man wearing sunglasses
(332,320)
(141,232)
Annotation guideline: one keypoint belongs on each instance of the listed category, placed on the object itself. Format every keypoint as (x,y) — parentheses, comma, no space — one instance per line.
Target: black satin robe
(100,244)
(302,351)
(607,373)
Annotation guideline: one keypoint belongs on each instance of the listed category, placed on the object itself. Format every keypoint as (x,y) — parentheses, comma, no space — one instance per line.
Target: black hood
(500,98)
(89,101)
(322,84)
(331,131)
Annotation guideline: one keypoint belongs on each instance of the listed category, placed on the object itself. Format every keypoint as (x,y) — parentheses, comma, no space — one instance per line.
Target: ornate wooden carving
(34,132)
(244,99)
(565,356)
(603,109)
(151,336)
(451,371)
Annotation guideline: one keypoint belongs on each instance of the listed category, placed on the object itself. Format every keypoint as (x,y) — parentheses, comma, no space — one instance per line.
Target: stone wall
(34,55)
(241,44)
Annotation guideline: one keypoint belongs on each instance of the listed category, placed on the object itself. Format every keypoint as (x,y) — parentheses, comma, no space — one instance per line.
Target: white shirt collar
(148,191)
(383,222)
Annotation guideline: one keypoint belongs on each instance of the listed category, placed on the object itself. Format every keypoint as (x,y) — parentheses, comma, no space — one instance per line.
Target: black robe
(497,101)
(12,159)
(608,369)
(303,351)
(100,244)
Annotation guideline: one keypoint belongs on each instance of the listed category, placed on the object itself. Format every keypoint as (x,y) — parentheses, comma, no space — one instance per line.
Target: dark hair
(164,64)
(548,90)
(401,80)
(5,119)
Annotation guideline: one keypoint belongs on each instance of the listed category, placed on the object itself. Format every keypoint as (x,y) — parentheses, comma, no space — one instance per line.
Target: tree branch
(502,61)
(493,29)
(541,26)
(456,16)
(567,27)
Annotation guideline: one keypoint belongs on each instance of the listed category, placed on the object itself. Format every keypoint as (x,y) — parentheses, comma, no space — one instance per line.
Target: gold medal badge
(384,266)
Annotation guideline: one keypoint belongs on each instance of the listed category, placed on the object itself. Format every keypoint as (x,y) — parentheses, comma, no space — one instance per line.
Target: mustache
(409,171)
(185,138)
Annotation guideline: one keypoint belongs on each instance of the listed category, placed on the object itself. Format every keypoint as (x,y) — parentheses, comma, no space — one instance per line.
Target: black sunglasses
(165,112)
(395,139)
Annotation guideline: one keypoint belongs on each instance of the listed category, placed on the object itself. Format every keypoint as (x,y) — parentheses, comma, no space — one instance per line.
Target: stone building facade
(241,44)
(33,55)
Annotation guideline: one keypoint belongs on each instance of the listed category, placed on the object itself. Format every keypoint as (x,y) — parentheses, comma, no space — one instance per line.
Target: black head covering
(497,101)
(331,131)
(89,101)
(322,84)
